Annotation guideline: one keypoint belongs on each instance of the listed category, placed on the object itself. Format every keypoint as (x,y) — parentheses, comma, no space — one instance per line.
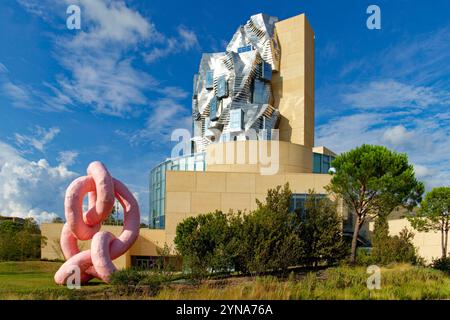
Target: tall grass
(399,282)
(34,280)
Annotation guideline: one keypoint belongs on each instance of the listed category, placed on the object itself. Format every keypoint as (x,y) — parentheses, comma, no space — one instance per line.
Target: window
(209,81)
(143,262)
(191,162)
(317,160)
(322,162)
(245,49)
(266,71)
(261,93)
(236,120)
(225,137)
(298,202)
(194,89)
(222,87)
(213,109)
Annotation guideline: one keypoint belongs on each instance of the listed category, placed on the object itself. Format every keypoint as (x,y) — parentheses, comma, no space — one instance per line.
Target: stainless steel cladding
(233,89)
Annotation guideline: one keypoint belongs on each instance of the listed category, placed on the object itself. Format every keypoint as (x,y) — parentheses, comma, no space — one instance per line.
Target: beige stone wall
(293,85)
(428,243)
(147,243)
(255,156)
(193,193)
(324,150)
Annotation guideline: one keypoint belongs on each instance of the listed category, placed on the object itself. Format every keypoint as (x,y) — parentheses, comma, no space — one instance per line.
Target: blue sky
(114,90)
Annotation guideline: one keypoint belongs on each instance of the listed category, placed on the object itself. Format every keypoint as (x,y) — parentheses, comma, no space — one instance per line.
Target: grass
(34,280)
(398,282)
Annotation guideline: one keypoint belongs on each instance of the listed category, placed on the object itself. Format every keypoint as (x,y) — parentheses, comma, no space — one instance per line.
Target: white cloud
(101,75)
(23,96)
(3,68)
(39,138)
(112,21)
(423,171)
(19,94)
(106,83)
(67,158)
(167,115)
(408,113)
(391,93)
(344,133)
(100,58)
(398,136)
(185,41)
(426,141)
(31,188)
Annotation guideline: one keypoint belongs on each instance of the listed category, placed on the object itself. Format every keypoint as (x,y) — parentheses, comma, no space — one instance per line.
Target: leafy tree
(202,241)
(373,180)
(389,249)
(58,220)
(20,240)
(269,240)
(433,215)
(321,231)
(380,239)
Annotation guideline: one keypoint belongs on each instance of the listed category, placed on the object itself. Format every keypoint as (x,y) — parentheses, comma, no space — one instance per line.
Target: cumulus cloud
(397,136)
(39,138)
(31,188)
(426,141)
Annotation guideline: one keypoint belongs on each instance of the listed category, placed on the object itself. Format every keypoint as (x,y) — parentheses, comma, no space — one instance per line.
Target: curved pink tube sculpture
(105,247)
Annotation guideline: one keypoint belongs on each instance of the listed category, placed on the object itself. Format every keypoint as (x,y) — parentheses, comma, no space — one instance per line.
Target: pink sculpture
(105,247)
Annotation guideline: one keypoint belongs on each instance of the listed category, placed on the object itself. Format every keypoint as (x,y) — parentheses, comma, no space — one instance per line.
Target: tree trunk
(445,240)
(443,246)
(355,240)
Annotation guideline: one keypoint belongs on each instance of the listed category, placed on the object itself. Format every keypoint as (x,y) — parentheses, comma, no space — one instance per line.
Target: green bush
(442,264)
(132,281)
(270,238)
(321,232)
(20,241)
(364,257)
(388,249)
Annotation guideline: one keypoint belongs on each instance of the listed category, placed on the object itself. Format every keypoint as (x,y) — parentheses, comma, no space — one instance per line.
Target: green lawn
(34,280)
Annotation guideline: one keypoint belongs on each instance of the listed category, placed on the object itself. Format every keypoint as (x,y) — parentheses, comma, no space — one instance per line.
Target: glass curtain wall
(195,162)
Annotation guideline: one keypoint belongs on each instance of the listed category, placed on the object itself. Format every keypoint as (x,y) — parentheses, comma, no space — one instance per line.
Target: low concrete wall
(428,243)
(147,243)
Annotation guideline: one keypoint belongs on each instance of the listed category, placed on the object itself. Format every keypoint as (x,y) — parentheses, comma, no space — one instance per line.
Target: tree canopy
(433,215)
(373,180)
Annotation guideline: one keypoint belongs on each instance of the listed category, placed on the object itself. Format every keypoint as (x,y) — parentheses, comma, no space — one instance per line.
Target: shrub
(203,241)
(20,240)
(321,232)
(132,281)
(270,238)
(389,249)
(442,264)
(364,257)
